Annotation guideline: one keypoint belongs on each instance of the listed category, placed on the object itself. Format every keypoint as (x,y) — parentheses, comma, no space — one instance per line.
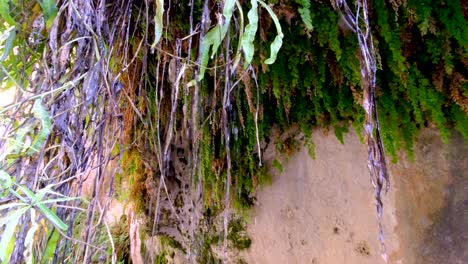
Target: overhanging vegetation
(189,90)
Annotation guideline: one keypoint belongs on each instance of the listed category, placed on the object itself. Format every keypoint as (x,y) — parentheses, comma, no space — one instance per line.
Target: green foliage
(315,82)
(53,238)
(277,165)
(215,36)
(304,11)
(460,120)
(249,33)
(7,39)
(31,202)
(213,39)
(49,10)
(321,85)
(158,23)
(276,44)
(237,235)
(121,238)
(41,114)
(133,173)
(10,222)
(5,12)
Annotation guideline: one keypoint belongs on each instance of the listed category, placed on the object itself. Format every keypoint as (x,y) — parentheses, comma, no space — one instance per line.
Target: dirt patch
(321,210)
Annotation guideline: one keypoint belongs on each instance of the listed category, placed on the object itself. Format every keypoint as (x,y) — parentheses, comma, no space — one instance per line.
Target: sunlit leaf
(17,144)
(51,216)
(41,193)
(58,200)
(207,42)
(274,48)
(10,205)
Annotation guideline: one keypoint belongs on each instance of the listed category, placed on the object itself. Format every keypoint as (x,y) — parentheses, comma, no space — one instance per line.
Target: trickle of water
(359,22)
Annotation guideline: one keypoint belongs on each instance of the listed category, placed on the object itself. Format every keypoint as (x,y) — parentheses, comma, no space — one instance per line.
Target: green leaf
(276,44)
(50,11)
(46,126)
(44,210)
(227,13)
(5,12)
(18,143)
(8,46)
(5,180)
(11,224)
(10,205)
(158,23)
(41,193)
(58,200)
(51,246)
(275,47)
(214,37)
(304,11)
(249,33)
(28,192)
(207,42)
(52,217)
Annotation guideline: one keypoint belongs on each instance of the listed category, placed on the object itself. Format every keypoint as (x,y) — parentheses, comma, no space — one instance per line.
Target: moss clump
(205,255)
(121,239)
(133,173)
(170,242)
(238,236)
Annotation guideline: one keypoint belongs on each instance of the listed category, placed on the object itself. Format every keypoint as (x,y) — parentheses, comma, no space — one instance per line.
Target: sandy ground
(322,212)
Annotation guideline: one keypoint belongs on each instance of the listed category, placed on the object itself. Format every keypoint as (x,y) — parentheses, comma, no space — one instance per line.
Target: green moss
(134,175)
(121,239)
(315,83)
(277,165)
(205,255)
(168,241)
(238,236)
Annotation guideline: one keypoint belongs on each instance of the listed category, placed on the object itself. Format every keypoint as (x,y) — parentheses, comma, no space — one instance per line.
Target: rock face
(321,210)
(432,202)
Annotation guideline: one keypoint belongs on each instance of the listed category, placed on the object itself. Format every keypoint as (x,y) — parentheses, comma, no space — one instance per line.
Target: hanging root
(359,23)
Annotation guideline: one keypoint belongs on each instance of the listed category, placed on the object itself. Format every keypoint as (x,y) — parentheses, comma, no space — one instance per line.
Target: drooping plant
(188,92)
